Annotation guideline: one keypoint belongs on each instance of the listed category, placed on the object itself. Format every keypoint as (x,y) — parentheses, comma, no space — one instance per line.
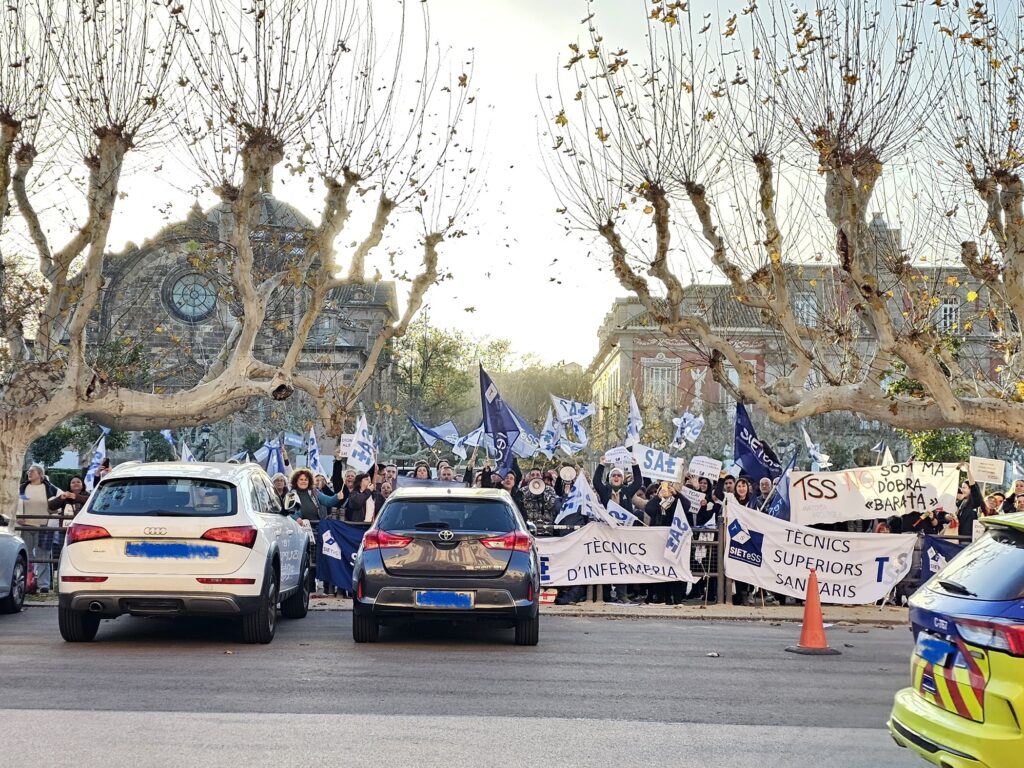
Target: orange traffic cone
(812,634)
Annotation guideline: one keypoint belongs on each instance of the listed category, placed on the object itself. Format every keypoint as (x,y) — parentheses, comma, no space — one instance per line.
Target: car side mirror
(531,527)
(4,522)
(291,504)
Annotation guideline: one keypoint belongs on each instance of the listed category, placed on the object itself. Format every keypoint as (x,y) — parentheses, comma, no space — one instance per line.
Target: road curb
(839,616)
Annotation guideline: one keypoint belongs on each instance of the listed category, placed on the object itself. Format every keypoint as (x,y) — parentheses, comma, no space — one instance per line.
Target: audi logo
(155,531)
(446,535)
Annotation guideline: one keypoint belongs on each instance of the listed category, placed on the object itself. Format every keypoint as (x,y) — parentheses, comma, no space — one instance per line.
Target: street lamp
(204,441)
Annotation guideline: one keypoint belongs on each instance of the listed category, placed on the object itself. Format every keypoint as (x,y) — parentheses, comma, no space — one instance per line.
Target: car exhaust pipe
(95,606)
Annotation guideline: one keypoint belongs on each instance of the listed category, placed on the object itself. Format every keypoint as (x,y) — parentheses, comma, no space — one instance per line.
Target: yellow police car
(965,704)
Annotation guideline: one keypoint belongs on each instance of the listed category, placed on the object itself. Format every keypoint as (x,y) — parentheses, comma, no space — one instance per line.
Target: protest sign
(869,492)
(705,466)
(605,554)
(619,457)
(657,465)
(852,568)
(987,470)
(345,444)
(695,497)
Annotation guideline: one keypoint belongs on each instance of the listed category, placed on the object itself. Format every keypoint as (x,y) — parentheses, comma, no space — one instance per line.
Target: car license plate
(170,550)
(438,599)
(933,649)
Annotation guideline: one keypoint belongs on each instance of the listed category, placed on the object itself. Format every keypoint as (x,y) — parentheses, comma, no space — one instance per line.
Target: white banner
(658,465)
(869,492)
(987,470)
(705,466)
(852,568)
(604,554)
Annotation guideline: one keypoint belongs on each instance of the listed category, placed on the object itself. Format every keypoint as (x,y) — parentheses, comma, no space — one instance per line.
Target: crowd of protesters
(538,493)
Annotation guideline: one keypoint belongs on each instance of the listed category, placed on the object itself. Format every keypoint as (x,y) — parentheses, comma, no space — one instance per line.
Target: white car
(183,539)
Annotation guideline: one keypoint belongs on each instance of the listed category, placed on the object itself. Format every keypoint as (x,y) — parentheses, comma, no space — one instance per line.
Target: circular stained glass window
(193,297)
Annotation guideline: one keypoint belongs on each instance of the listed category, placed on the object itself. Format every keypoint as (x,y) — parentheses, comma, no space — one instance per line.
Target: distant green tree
(159,449)
(49,448)
(85,432)
(949,445)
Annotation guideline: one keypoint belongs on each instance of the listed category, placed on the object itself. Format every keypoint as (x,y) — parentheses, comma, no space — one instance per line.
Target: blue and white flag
(98,455)
(275,459)
(104,430)
(754,458)
(242,456)
(293,440)
(446,433)
(570,410)
(582,500)
(688,429)
(878,447)
(1015,472)
(634,423)
(778,504)
(337,543)
(499,422)
(186,454)
(581,433)
(549,435)
(313,453)
(621,515)
(471,439)
(819,458)
(677,543)
(568,446)
(166,435)
(527,445)
(936,552)
(361,455)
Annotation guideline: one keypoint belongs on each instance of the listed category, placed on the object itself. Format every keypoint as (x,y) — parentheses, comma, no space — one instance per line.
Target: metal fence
(44,540)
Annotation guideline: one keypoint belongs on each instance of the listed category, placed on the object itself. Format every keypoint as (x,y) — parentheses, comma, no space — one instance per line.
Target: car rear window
(164,497)
(992,568)
(490,516)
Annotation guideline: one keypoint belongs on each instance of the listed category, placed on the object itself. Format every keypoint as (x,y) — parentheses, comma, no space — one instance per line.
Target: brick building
(669,375)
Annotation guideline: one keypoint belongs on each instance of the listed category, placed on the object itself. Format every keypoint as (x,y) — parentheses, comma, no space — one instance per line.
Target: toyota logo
(155,531)
(446,535)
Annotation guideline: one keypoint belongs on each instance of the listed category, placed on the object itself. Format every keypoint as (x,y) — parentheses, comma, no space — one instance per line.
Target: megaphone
(537,486)
(568,474)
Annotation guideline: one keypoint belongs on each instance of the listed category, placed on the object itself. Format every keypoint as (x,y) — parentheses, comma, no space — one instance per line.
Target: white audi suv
(176,539)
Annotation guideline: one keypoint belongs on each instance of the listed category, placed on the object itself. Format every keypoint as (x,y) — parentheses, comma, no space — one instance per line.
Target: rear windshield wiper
(959,589)
(433,524)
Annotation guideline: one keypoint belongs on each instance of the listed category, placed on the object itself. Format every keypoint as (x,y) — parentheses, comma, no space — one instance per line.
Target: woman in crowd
(34,514)
(744,492)
(661,509)
(280,487)
(363,503)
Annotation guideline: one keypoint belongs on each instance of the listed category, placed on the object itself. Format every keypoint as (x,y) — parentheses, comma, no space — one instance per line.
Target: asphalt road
(595,692)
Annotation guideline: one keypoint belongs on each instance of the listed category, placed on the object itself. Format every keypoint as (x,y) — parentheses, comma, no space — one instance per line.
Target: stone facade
(173,298)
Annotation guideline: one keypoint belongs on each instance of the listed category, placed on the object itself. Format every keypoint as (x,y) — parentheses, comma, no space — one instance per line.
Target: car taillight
(225,581)
(374,539)
(997,635)
(243,535)
(84,579)
(515,541)
(79,532)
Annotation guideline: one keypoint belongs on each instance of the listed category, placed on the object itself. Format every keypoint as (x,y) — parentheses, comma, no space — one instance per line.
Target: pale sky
(515,233)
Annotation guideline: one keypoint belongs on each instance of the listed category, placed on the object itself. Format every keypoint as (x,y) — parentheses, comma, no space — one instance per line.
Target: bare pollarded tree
(762,141)
(250,89)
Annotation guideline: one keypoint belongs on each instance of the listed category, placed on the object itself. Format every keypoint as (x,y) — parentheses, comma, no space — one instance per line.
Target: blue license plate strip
(441,599)
(170,550)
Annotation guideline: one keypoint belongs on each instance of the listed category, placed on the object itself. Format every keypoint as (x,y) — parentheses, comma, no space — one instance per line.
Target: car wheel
(16,598)
(259,626)
(365,628)
(77,626)
(528,631)
(297,606)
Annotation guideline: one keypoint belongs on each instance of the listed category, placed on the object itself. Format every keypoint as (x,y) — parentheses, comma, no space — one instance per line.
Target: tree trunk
(14,443)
